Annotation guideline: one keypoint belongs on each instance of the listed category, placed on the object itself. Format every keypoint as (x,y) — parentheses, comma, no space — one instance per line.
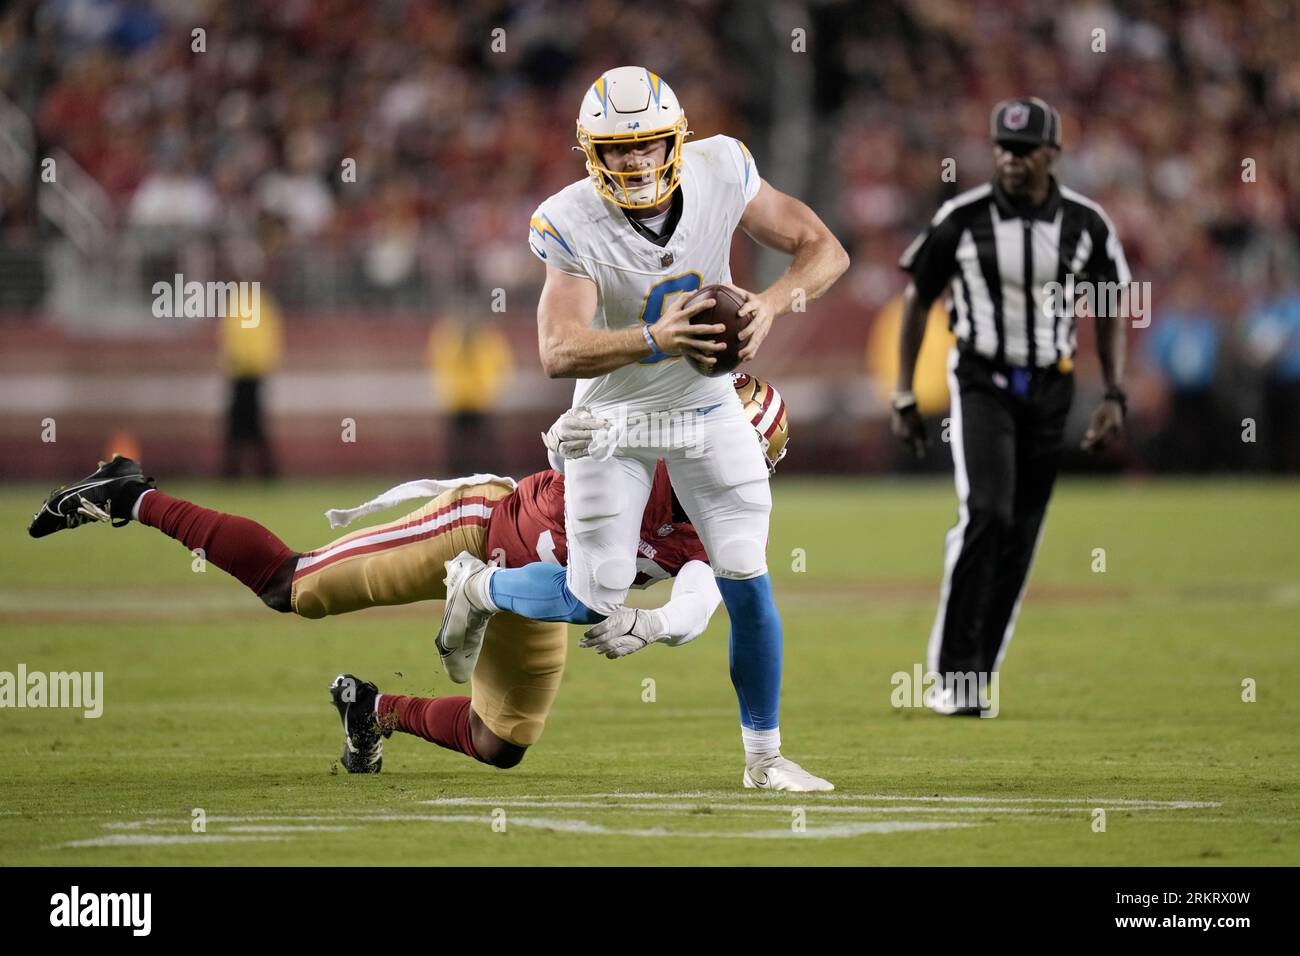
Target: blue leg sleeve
(755,650)
(538,591)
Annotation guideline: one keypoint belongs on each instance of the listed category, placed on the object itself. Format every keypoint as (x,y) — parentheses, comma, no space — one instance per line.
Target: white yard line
(161,839)
(704,808)
(270,828)
(814,803)
(811,833)
(555,824)
(712,794)
(676,805)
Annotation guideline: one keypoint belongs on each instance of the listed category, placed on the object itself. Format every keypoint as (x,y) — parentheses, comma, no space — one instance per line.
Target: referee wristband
(650,340)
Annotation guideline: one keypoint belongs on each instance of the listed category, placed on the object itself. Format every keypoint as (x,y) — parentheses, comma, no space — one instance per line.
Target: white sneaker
(778,773)
(460,636)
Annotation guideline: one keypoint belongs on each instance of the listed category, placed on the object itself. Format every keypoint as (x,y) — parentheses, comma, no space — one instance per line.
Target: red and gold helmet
(766,411)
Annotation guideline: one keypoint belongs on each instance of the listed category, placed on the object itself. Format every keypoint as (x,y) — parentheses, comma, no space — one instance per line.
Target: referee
(997,249)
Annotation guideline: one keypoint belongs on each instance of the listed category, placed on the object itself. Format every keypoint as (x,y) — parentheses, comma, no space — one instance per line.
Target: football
(725,312)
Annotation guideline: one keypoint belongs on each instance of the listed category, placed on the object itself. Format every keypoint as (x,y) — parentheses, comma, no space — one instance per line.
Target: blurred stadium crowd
(1181,118)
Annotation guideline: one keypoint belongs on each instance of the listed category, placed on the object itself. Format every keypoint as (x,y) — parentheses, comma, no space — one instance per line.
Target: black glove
(907,425)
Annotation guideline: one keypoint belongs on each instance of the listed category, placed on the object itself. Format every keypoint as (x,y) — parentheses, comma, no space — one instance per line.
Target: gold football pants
(401,562)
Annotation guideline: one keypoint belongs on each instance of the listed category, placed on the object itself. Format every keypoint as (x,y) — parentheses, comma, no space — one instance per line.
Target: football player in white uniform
(624,249)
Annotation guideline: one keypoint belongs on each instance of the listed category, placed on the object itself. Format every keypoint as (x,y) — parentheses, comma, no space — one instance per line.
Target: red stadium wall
(169,394)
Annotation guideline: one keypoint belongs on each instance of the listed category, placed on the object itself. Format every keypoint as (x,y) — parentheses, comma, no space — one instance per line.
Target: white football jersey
(580,233)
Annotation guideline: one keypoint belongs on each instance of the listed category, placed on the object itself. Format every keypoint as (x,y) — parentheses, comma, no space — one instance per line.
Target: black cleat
(107,495)
(363,745)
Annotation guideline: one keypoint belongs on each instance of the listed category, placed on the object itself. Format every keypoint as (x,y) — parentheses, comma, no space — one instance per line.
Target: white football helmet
(625,105)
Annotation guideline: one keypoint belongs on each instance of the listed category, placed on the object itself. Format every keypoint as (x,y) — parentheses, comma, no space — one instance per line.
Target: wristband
(650,340)
(1116,394)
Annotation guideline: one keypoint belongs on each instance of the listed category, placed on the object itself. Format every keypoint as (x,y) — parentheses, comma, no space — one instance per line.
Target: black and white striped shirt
(997,260)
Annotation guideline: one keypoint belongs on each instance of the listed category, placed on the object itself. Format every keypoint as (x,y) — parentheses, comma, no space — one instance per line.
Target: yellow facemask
(615,186)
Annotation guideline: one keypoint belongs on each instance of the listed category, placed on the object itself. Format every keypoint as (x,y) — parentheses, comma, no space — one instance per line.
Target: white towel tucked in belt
(409,491)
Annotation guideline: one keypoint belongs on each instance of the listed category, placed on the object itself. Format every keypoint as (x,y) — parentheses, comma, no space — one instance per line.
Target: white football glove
(625,632)
(571,435)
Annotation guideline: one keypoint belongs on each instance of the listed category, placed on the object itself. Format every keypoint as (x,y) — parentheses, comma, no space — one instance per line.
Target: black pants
(470,447)
(245,429)
(1282,405)
(1187,442)
(1006,433)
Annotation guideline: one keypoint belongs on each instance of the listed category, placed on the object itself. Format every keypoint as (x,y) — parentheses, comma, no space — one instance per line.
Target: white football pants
(720,475)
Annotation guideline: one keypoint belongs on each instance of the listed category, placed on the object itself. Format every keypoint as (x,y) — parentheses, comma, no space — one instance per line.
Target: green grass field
(1122,691)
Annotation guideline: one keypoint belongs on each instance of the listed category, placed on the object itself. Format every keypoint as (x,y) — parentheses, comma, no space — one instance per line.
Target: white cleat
(778,773)
(460,636)
(946,704)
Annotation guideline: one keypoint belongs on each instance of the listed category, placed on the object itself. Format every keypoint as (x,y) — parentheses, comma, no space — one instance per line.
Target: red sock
(442,720)
(239,546)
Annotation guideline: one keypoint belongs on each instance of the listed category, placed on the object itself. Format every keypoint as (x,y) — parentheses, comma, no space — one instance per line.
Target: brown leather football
(725,312)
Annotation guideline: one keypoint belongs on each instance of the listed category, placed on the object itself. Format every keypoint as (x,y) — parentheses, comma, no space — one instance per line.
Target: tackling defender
(623,250)
(401,562)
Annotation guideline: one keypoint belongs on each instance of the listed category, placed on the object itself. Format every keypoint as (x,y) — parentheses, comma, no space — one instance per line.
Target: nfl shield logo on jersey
(666,259)
(664,530)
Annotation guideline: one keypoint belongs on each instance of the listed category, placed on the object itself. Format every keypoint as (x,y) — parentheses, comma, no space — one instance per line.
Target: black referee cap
(1025,120)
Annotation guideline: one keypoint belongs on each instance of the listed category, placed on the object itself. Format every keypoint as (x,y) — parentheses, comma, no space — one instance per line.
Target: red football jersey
(528,525)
